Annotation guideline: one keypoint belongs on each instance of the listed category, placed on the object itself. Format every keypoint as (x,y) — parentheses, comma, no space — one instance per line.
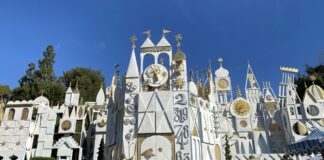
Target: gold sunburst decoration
(179,82)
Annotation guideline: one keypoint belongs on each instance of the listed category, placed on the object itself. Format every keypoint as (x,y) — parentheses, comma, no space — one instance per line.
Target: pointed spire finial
(178,37)
(147,33)
(165,31)
(239,94)
(210,65)
(133,39)
(116,69)
(192,72)
(77,84)
(70,84)
(220,61)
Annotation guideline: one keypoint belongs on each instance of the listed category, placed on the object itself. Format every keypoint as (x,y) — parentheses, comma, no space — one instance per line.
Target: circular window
(243,123)
(312,110)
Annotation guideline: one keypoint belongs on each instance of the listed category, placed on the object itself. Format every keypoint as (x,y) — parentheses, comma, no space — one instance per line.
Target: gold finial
(313,78)
(147,33)
(133,39)
(239,94)
(178,37)
(165,31)
(220,61)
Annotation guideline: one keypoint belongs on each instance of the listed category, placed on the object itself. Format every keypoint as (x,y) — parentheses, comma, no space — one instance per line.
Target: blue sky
(268,33)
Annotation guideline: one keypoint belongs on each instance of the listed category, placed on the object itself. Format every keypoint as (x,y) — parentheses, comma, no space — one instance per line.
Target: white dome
(41,99)
(193,88)
(221,72)
(316,91)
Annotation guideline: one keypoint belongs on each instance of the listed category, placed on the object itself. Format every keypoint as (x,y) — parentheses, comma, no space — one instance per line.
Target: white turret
(100,99)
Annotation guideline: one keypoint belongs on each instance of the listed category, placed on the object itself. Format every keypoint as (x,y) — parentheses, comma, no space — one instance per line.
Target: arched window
(11,114)
(24,114)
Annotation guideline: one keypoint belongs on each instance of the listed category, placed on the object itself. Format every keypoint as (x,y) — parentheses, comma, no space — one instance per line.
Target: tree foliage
(228,155)
(4,92)
(101,150)
(301,80)
(89,81)
(40,81)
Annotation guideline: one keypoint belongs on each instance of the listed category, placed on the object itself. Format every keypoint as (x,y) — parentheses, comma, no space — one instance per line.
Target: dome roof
(316,91)
(41,99)
(221,72)
(179,55)
(193,88)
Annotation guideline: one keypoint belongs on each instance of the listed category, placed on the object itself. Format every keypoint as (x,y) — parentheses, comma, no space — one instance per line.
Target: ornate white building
(159,111)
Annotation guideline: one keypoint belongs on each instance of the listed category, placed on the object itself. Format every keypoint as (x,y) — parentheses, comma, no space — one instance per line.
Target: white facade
(155,112)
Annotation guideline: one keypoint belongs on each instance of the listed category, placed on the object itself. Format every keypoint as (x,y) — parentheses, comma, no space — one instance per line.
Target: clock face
(66,125)
(222,83)
(241,108)
(155,75)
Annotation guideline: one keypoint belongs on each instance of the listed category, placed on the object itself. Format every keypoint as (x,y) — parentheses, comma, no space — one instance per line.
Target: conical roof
(132,70)
(148,43)
(163,43)
(100,99)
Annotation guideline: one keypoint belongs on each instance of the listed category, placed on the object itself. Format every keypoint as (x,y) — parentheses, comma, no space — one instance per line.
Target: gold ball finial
(178,37)
(220,60)
(133,39)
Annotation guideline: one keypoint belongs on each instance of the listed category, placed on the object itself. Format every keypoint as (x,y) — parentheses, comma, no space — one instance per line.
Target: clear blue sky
(95,33)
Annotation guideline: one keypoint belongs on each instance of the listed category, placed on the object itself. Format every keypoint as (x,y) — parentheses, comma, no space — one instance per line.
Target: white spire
(148,43)
(100,97)
(251,81)
(163,42)
(132,70)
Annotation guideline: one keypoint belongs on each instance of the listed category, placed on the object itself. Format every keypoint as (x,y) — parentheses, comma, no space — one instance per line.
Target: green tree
(4,92)
(101,150)
(318,74)
(228,155)
(41,81)
(89,81)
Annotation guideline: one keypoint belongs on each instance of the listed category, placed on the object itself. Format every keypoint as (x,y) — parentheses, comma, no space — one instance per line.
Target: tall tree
(46,70)
(318,78)
(89,81)
(228,155)
(4,92)
(101,150)
(41,80)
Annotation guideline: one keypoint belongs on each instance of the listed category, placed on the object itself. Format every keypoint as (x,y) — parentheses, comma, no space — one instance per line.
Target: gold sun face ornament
(222,83)
(179,82)
(66,125)
(241,108)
